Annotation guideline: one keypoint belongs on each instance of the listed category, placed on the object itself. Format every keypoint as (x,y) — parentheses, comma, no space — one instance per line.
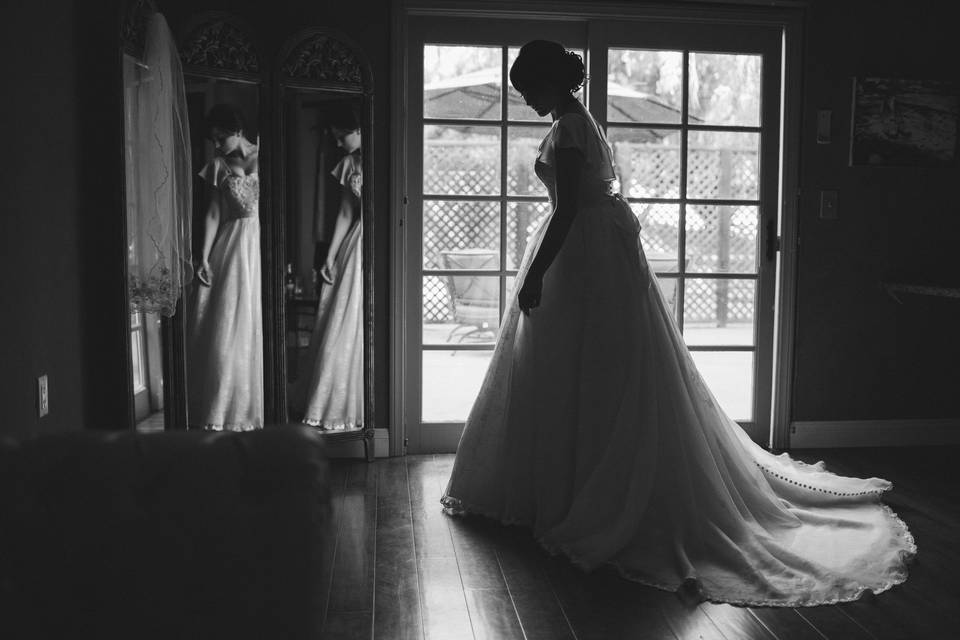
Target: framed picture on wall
(904,122)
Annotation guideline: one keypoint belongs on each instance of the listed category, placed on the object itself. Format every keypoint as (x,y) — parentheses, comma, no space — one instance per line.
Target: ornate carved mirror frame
(324,61)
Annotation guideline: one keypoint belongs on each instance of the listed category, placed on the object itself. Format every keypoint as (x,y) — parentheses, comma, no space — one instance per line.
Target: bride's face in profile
(543,99)
(225,142)
(540,99)
(349,141)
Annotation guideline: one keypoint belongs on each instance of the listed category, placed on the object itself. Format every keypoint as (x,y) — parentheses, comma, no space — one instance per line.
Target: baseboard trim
(874,433)
(354,448)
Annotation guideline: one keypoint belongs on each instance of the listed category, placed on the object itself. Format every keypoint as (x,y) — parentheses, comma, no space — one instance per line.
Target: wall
(860,355)
(60,227)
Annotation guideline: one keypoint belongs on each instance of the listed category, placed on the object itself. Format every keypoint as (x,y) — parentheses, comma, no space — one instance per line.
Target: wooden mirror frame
(324,60)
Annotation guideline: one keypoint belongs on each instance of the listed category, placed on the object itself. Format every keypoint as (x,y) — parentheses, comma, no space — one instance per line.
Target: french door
(692,112)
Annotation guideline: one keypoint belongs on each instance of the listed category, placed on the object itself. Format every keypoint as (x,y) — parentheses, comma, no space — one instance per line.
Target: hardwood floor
(399,569)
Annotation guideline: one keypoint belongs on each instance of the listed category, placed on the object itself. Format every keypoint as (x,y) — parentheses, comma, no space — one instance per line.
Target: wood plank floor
(399,569)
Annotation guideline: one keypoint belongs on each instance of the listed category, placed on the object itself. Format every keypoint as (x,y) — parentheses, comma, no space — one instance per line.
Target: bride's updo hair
(223,116)
(544,62)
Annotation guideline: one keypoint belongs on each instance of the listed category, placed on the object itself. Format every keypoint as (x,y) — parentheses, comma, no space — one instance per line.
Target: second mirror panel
(323,205)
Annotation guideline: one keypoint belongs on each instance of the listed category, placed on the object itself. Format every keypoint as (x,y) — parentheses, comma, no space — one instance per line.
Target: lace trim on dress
(347,425)
(456,507)
(230,426)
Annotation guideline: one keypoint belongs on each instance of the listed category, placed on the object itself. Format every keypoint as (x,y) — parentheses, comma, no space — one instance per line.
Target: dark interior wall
(860,355)
(60,238)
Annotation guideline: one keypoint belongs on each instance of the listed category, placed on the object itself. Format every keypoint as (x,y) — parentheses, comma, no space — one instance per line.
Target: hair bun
(574,71)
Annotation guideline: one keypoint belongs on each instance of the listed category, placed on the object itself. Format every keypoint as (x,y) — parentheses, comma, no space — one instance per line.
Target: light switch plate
(43,396)
(829,203)
(823,126)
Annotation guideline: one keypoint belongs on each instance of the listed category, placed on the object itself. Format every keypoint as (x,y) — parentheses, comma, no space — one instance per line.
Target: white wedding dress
(225,330)
(331,393)
(594,429)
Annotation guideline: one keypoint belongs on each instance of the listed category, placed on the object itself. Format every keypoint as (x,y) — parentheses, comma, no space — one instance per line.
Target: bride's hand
(203,273)
(326,272)
(529,295)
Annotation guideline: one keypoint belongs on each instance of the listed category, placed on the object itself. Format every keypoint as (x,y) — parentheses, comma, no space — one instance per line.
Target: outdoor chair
(475,299)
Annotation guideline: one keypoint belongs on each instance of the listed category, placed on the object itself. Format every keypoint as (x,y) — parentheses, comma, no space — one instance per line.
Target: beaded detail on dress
(244,194)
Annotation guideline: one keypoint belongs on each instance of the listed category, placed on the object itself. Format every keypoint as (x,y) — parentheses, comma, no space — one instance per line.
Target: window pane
(136,351)
(718,312)
(723,164)
(517,109)
(729,375)
(461,160)
(721,239)
(451,382)
(647,161)
(644,86)
(669,290)
(462,82)
(523,220)
(725,89)
(522,144)
(659,234)
(461,309)
(458,225)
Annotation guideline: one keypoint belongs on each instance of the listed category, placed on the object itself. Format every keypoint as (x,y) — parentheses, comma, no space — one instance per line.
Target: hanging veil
(158,181)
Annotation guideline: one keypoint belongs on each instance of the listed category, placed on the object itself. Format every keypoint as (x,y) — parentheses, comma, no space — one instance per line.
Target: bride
(594,429)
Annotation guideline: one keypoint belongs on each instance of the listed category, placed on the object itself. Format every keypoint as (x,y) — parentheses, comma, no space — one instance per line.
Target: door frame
(787,15)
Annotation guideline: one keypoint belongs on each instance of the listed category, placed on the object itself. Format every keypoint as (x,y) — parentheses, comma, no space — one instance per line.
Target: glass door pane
(685,129)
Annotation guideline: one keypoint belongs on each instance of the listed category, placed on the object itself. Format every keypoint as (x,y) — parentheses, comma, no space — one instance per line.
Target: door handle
(772,240)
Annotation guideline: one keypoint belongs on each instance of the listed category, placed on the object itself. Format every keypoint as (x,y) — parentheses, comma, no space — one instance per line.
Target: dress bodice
(240,192)
(577,131)
(598,198)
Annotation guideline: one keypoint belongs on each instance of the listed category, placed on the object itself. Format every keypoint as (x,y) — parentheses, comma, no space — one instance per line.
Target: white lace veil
(158,180)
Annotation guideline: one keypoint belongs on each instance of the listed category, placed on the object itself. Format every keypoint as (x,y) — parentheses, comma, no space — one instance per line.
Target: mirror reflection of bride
(225,334)
(329,394)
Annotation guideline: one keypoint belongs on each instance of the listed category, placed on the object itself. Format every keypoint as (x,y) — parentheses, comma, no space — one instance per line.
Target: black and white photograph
(479,320)
(902,122)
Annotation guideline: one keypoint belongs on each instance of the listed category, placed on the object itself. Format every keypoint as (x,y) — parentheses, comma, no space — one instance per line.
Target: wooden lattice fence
(718,238)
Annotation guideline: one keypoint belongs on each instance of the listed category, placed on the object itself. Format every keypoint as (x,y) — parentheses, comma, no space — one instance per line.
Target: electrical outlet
(43,396)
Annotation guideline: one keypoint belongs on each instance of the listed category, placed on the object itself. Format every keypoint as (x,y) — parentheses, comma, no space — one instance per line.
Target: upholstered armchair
(189,534)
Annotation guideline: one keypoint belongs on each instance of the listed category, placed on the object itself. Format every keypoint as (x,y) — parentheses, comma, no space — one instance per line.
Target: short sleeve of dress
(214,171)
(349,173)
(568,132)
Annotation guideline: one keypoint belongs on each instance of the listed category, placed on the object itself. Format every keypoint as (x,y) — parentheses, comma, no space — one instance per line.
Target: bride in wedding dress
(594,429)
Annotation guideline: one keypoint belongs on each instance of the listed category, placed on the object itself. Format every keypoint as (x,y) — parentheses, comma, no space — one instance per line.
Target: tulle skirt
(225,334)
(594,428)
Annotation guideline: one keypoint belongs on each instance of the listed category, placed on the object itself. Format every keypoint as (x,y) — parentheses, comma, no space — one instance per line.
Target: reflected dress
(594,428)
(332,397)
(225,338)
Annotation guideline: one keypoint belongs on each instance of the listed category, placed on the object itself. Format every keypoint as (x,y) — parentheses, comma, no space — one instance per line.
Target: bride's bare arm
(569,165)
(210,226)
(345,216)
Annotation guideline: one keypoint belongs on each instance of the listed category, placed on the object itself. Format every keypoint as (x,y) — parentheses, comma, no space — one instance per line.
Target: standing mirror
(223,321)
(325,194)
